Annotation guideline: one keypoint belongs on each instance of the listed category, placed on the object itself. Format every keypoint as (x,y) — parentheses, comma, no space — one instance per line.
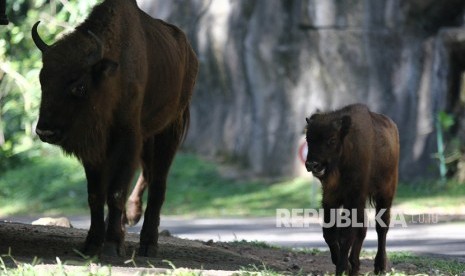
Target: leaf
(446,120)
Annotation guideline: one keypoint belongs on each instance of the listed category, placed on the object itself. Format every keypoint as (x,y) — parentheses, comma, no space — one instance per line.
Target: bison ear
(342,125)
(104,68)
(346,121)
(308,120)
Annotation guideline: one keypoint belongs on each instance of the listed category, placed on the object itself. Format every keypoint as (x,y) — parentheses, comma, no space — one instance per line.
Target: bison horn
(98,54)
(37,40)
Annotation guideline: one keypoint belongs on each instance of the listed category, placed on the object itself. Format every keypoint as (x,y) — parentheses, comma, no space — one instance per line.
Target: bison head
(325,136)
(75,80)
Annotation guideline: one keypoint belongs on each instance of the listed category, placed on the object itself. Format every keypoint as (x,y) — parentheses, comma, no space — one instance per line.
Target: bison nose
(49,136)
(311,165)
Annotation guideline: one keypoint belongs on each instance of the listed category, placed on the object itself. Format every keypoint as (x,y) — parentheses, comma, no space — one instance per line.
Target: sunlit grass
(432,197)
(54,184)
(428,265)
(403,263)
(49,185)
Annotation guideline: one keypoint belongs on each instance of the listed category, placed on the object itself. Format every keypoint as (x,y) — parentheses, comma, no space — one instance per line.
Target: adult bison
(355,154)
(116,94)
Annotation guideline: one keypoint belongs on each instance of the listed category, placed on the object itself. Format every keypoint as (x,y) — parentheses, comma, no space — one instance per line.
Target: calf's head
(325,136)
(74,78)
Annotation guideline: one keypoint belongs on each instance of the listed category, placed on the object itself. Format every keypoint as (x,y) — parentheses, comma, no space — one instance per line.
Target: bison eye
(332,141)
(78,90)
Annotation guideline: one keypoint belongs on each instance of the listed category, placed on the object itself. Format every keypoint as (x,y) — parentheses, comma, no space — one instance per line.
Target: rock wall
(266,65)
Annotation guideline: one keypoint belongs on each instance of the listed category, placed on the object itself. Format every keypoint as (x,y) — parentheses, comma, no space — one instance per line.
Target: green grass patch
(49,185)
(262,270)
(257,244)
(422,197)
(53,184)
(196,188)
(403,262)
(428,265)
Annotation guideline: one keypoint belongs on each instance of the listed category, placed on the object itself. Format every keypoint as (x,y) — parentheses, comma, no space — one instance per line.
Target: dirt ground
(49,242)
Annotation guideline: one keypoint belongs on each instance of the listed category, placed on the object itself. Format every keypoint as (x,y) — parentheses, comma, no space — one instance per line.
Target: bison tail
(184,127)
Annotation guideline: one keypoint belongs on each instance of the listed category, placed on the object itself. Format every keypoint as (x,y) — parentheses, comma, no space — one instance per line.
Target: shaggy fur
(116,94)
(355,154)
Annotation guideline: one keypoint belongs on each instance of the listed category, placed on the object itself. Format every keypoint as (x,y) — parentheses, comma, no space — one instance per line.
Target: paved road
(425,238)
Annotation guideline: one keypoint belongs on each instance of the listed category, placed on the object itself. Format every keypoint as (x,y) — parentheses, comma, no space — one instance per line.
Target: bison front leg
(121,165)
(330,232)
(96,200)
(346,239)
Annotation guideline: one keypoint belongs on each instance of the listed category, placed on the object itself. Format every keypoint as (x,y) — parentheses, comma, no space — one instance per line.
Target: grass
(262,270)
(428,196)
(49,185)
(257,244)
(419,265)
(56,185)
(428,265)
(53,184)
(195,185)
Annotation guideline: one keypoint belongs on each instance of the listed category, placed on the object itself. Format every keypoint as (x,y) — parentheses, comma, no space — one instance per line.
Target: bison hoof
(131,220)
(148,250)
(379,270)
(354,270)
(380,264)
(90,250)
(133,213)
(113,249)
(344,270)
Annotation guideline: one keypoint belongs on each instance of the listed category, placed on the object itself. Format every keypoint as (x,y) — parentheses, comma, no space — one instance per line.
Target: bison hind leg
(382,205)
(134,207)
(159,152)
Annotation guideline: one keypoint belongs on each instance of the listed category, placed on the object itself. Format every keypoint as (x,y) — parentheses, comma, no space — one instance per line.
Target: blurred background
(264,67)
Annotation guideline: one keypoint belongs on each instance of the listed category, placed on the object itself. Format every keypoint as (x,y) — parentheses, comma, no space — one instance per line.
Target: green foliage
(446,120)
(44,185)
(20,63)
(451,151)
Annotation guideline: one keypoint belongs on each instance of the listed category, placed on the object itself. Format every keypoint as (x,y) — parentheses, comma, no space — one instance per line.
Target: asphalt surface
(420,235)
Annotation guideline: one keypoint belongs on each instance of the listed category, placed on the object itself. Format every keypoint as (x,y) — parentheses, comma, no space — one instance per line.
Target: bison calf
(355,154)
(116,94)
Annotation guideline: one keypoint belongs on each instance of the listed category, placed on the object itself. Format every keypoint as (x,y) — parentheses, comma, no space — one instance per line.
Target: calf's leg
(330,232)
(382,205)
(360,234)
(346,239)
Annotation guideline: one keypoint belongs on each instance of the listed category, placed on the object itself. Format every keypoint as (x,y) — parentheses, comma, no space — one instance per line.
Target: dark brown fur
(355,154)
(119,109)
